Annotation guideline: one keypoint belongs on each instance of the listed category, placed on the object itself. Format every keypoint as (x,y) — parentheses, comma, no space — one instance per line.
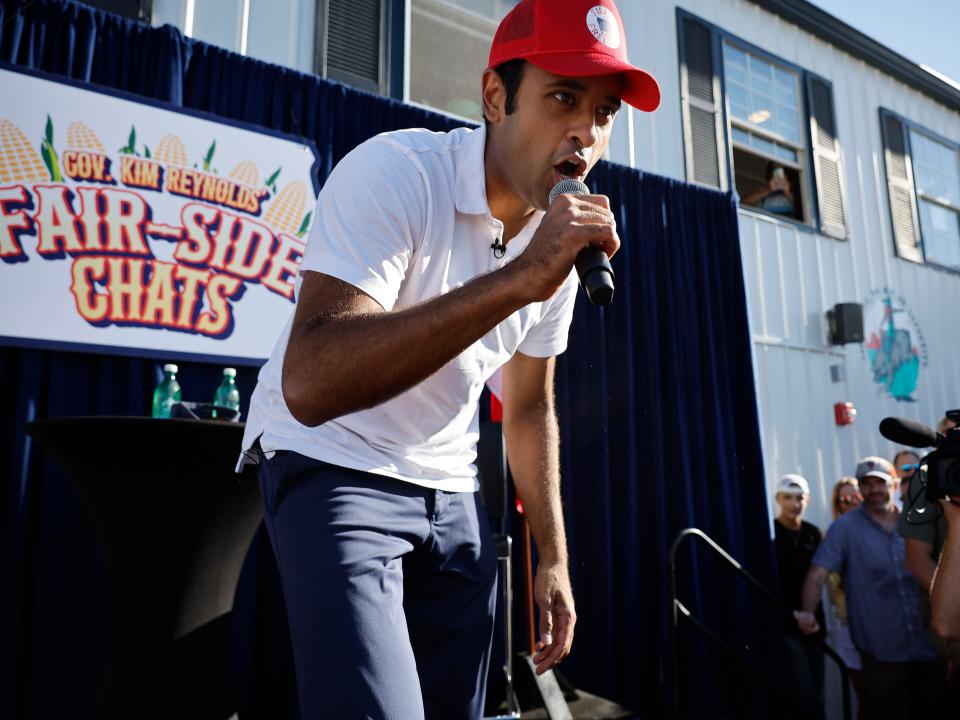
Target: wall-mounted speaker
(845,323)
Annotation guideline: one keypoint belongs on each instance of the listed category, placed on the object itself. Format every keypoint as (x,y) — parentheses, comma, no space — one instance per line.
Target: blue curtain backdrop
(655,397)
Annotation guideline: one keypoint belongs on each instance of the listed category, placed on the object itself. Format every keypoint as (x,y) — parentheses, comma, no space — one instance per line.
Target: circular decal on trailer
(893,344)
(603,25)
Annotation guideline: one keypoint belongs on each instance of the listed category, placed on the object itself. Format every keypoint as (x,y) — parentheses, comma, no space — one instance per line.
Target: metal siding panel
(769,280)
(749,250)
(811,281)
(823,434)
(796,406)
(270,35)
(218,22)
(802,412)
(791,292)
(777,414)
(169,12)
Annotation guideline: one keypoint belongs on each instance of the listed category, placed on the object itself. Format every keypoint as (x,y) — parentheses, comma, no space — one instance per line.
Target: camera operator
(945,589)
(937,481)
(925,532)
(945,594)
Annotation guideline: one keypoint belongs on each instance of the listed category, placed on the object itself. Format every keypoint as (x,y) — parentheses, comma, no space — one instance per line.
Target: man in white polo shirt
(434,260)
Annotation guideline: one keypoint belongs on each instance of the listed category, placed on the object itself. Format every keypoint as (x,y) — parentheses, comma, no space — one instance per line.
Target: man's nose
(584,132)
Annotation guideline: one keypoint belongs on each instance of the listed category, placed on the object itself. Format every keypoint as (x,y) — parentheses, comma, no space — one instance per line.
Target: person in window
(777,195)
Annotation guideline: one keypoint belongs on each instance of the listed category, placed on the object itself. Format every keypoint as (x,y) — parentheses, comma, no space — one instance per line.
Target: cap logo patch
(603,25)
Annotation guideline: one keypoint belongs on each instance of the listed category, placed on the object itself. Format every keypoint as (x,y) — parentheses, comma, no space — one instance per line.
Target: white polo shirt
(404,217)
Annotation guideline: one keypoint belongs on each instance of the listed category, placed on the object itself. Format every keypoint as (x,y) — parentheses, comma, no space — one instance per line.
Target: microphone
(593,265)
(909,432)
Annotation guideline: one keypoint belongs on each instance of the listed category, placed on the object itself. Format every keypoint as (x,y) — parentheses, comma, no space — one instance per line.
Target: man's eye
(564,97)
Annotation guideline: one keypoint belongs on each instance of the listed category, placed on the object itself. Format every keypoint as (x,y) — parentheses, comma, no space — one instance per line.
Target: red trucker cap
(576,38)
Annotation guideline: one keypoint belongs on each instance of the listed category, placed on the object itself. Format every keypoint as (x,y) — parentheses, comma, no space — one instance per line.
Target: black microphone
(593,265)
(909,432)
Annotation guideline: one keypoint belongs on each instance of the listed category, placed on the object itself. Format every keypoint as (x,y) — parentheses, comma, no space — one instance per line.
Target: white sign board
(144,229)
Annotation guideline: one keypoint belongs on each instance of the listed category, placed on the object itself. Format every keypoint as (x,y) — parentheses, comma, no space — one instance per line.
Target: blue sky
(925,31)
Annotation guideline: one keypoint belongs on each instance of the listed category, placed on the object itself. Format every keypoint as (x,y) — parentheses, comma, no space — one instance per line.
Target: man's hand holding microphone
(577,229)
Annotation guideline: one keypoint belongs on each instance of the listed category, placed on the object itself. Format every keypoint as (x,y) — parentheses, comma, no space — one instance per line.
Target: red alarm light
(844,413)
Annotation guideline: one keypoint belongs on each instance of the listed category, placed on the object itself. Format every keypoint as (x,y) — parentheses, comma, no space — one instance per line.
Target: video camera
(939,471)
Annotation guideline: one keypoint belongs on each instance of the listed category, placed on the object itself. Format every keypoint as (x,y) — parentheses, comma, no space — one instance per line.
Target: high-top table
(175,523)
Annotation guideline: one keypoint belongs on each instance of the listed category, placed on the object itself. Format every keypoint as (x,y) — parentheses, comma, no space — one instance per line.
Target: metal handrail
(678,609)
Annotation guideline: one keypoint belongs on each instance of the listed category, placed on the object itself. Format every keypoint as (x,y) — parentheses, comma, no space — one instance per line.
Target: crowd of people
(877,561)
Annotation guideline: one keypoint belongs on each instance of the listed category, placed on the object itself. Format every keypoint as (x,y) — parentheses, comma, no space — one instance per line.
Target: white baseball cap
(791,484)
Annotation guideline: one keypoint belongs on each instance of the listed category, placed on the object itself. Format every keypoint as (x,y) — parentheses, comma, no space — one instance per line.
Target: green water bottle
(227,395)
(167,392)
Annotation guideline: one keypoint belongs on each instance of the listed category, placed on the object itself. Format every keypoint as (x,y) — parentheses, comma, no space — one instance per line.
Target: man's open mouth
(573,166)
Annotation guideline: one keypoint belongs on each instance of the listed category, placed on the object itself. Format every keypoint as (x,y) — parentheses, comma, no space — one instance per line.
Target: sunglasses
(910,466)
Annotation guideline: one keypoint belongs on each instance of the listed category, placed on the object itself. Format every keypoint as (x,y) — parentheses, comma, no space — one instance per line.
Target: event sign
(143,228)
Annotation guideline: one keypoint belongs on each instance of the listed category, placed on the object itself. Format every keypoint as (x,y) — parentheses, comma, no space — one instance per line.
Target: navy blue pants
(390,590)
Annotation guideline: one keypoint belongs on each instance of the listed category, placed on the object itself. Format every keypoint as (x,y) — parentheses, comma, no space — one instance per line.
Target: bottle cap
(170,368)
(230,372)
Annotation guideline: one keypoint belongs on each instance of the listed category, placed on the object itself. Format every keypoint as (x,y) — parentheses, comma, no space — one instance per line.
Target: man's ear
(494,96)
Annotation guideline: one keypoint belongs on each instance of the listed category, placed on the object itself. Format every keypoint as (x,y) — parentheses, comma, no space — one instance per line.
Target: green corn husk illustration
(49,154)
(146,152)
(208,158)
(272,181)
(131,147)
(304,225)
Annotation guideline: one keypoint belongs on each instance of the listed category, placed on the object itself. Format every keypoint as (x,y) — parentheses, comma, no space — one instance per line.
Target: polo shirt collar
(471,174)
(870,519)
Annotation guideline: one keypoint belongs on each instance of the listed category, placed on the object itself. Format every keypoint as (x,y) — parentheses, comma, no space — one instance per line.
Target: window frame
(910,126)
(804,167)
(807,174)
(750,127)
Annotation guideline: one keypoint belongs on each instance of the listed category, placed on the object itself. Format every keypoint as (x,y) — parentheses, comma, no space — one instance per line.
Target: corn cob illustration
(246,173)
(81,137)
(19,162)
(171,151)
(285,211)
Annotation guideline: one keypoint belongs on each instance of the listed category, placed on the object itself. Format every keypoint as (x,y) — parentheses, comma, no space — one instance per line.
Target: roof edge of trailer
(825,26)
